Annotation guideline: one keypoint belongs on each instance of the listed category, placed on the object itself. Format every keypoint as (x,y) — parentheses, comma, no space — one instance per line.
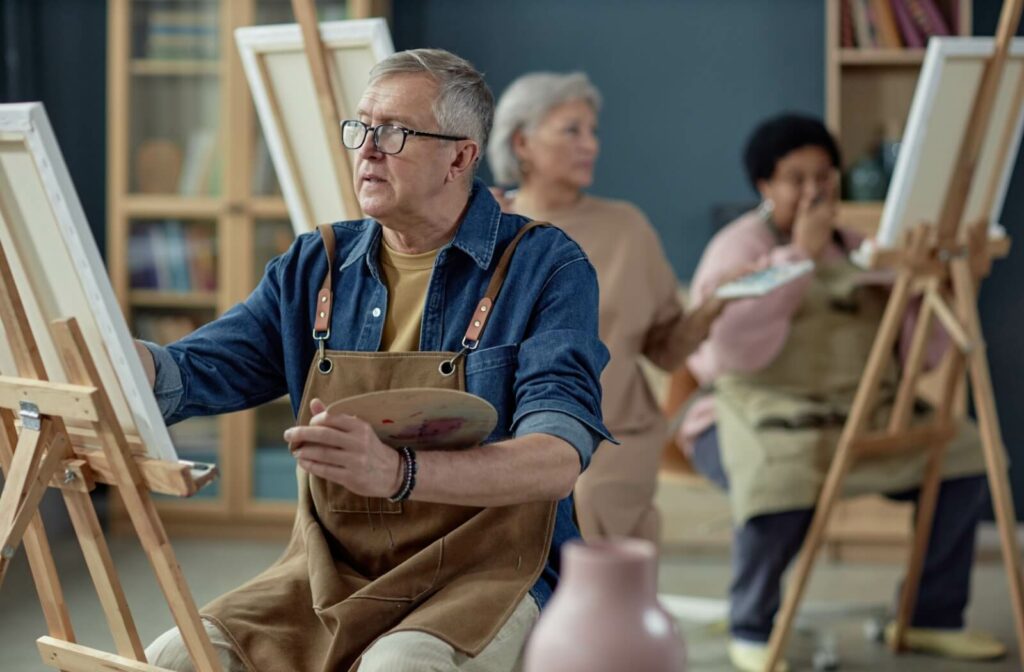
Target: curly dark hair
(776,137)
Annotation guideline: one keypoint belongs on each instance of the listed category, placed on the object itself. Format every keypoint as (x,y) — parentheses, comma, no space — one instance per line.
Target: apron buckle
(447,367)
(323,364)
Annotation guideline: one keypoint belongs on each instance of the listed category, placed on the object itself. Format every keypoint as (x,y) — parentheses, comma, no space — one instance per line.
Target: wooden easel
(931,255)
(58,422)
(329,102)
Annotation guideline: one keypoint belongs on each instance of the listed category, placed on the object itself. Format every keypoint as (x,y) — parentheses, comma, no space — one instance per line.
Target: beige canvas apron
(779,427)
(357,567)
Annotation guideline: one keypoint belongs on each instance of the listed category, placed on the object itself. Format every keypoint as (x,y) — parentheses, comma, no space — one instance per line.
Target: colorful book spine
(927,17)
(865,39)
(846,37)
(886,24)
(911,36)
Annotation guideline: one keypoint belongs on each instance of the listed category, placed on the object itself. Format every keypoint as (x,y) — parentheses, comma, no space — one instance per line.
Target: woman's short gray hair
(464,104)
(523,106)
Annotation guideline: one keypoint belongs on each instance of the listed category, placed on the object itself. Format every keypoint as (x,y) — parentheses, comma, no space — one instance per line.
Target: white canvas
(935,128)
(282,88)
(59,273)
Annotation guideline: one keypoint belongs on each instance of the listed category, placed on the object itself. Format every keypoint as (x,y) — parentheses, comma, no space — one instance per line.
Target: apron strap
(325,299)
(484,308)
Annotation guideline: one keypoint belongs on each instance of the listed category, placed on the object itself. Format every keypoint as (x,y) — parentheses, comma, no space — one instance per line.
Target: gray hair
(464,104)
(523,106)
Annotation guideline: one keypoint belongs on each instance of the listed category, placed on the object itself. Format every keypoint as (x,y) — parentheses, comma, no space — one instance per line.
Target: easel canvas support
(41,453)
(932,256)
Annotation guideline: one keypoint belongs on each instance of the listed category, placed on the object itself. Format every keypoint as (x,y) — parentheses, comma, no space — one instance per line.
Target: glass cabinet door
(175,90)
(273,467)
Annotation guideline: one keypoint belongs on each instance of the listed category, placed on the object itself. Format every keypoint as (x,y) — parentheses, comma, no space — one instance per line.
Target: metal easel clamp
(29,414)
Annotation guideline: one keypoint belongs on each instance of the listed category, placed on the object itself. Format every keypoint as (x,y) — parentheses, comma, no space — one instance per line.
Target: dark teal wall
(56,51)
(684,81)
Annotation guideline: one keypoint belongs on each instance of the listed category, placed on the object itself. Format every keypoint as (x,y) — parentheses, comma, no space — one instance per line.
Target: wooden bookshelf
(184,153)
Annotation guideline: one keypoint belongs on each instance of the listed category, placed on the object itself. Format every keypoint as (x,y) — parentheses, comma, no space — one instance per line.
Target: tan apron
(779,427)
(358,568)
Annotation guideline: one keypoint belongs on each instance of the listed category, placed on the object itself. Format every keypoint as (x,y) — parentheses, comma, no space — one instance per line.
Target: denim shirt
(539,360)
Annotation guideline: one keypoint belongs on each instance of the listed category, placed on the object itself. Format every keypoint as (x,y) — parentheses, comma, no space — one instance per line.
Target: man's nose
(369,149)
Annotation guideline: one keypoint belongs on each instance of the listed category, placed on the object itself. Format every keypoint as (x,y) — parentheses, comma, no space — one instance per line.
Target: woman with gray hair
(544,142)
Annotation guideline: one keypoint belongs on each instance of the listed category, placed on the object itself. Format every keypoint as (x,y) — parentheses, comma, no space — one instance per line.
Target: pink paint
(430,429)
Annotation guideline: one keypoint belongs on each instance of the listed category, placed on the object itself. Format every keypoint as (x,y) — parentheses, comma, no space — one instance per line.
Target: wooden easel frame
(44,453)
(932,254)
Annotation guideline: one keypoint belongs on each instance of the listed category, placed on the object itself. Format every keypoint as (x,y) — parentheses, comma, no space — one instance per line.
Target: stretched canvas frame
(58,269)
(286,101)
(951,74)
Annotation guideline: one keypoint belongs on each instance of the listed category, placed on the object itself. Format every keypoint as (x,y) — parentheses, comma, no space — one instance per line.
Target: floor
(213,566)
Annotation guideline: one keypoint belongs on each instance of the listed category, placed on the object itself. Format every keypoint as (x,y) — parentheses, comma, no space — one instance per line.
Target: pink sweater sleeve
(750,332)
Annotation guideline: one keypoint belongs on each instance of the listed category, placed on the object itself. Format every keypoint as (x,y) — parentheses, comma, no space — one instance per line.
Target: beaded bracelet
(409,479)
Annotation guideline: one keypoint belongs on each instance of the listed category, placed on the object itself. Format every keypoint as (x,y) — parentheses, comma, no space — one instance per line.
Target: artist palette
(422,418)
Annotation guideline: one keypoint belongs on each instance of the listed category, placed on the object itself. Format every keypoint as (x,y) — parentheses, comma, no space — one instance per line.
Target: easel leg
(104,577)
(991,439)
(37,548)
(841,463)
(82,370)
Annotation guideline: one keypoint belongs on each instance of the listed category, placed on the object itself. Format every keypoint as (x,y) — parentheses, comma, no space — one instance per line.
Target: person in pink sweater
(777,377)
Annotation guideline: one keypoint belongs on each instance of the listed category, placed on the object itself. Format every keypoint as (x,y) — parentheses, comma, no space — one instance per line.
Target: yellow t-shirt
(407,277)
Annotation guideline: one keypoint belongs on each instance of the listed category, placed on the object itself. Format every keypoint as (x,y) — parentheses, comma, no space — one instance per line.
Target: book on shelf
(862,24)
(908,29)
(888,31)
(199,164)
(846,37)
(927,17)
(895,24)
(172,256)
(181,33)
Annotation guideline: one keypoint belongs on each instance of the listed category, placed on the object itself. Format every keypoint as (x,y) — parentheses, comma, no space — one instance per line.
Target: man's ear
(467,153)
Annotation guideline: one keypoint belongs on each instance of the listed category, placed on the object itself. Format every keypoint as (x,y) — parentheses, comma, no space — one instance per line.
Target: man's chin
(372,207)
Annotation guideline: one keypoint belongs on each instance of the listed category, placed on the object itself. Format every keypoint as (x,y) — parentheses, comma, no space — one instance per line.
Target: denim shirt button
(376,312)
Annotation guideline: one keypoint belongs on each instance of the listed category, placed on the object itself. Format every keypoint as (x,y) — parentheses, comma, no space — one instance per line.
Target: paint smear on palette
(433,429)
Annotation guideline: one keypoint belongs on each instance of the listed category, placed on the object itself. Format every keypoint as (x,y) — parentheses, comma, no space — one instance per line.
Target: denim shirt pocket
(490,373)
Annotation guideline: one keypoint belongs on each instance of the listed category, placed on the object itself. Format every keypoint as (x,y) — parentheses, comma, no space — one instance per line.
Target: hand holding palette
(422,418)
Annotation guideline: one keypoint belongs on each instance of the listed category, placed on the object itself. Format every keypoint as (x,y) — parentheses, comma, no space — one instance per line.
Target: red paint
(386,421)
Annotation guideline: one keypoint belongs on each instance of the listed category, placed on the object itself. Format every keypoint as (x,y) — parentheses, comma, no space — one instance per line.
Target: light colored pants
(406,651)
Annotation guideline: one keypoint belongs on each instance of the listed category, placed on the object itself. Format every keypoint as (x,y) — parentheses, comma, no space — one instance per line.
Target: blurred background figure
(545,143)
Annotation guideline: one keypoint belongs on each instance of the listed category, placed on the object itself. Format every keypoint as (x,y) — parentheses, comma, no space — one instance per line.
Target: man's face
(394,187)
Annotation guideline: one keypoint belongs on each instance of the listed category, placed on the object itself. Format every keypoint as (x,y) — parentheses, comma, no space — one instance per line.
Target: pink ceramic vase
(605,616)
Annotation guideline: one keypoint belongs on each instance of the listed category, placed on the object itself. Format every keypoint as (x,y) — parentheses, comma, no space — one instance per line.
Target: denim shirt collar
(477,234)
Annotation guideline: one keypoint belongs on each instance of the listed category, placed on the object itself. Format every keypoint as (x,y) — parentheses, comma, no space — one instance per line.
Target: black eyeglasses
(387,138)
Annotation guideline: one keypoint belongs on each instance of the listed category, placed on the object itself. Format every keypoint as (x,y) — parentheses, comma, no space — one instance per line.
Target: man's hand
(345,450)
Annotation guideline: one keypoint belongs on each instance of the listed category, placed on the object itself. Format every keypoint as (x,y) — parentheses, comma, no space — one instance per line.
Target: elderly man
(436,560)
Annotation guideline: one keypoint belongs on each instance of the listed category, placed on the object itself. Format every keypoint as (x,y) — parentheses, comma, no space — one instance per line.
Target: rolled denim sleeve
(167,386)
(565,427)
(561,357)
